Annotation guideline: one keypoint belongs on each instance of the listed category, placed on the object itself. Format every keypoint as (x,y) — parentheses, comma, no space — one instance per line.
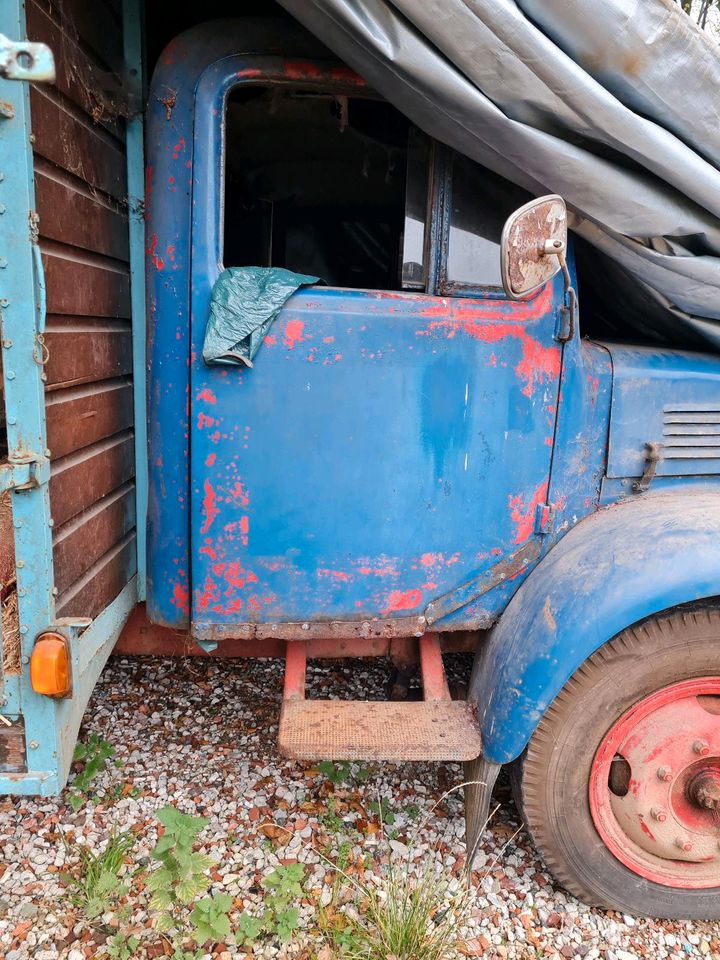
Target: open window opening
(319,183)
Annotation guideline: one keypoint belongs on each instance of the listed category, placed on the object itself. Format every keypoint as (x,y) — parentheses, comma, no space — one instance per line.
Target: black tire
(550,780)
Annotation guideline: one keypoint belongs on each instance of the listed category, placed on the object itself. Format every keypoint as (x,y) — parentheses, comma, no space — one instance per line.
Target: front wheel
(620,782)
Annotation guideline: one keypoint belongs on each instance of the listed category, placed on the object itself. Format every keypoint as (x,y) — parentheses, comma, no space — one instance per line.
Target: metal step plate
(378,730)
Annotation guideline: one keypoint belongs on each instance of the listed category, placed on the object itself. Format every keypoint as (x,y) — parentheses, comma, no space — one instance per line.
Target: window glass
(481,202)
(416,200)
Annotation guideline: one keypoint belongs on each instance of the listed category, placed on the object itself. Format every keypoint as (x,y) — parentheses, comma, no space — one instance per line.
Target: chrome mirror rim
(504,246)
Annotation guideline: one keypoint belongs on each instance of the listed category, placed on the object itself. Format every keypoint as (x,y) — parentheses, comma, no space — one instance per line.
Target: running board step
(436,728)
(378,730)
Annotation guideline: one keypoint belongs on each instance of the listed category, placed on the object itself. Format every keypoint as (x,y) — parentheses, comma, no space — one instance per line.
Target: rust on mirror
(534,241)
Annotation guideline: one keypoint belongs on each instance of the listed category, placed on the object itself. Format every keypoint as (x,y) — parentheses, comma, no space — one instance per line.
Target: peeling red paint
(293,333)
(485,320)
(270,340)
(239,492)
(204,421)
(208,551)
(301,70)
(346,75)
(180,145)
(207,395)
(155,259)
(335,574)
(233,575)
(402,600)
(208,594)
(438,559)
(210,459)
(523,515)
(378,571)
(181,598)
(646,829)
(537,362)
(209,507)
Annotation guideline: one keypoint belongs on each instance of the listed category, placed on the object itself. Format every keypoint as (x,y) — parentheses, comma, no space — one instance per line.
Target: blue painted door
(384,449)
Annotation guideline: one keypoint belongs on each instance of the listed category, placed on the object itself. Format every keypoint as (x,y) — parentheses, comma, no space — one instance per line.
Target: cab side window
(477,204)
(318,183)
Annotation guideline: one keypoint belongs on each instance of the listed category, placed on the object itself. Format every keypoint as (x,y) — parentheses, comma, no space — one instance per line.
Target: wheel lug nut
(701,747)
(683,844)
(659,814)
(664,773)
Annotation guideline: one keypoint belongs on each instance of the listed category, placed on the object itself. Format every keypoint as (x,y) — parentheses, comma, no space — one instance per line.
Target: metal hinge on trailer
(544,518)
(25,474)
(23,60)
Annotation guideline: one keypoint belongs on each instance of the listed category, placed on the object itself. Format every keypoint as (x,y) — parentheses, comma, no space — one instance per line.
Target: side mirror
(533,245)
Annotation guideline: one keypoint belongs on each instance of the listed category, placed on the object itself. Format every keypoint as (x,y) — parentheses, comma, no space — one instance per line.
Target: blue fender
(613,569)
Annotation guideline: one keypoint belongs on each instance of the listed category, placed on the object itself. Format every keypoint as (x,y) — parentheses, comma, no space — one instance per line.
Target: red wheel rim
(655,786)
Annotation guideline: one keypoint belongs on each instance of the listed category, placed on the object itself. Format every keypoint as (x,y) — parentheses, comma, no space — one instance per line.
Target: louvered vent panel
(692,432)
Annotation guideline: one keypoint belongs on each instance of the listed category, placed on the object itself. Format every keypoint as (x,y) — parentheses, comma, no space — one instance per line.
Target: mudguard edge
(615,568)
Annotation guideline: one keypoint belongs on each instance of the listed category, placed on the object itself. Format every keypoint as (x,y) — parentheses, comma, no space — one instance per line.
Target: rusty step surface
(378,730)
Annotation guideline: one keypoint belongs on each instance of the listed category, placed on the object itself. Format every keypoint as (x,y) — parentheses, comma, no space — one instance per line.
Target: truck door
(390,448)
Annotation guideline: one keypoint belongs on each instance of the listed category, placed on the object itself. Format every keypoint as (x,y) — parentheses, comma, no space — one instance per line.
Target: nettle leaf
(163,922)
(287,921)
(165,843)
(159,879)
(249,928)
(187,889)
(220,926)
(181,823)
(161,900)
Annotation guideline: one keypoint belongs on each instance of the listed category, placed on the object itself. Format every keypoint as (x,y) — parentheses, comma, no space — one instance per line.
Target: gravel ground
(201,734)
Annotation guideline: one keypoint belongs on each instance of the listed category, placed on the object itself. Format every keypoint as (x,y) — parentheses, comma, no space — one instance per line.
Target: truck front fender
(613,569)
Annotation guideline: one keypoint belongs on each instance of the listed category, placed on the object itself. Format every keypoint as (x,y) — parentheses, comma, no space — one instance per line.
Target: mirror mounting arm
(565,327)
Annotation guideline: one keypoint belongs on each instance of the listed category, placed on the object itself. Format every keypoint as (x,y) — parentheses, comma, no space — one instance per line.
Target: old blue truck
(427,453)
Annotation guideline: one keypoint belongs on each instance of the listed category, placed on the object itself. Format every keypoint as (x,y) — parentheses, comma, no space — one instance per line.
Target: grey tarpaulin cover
(243,306)
(614,104)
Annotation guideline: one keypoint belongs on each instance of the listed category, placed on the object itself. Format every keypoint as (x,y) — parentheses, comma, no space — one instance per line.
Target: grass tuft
(95,883)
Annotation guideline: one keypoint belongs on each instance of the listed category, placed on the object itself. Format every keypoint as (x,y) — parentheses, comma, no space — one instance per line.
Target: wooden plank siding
(81,198)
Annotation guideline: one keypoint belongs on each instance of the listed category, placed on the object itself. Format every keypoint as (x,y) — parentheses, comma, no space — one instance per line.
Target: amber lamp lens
(49,667)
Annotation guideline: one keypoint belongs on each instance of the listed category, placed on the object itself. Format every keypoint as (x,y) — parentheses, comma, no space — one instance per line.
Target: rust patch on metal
(471,590)
(327,630)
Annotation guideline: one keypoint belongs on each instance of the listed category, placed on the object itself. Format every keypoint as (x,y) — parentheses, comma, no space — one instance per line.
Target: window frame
(441,185)
(327,78)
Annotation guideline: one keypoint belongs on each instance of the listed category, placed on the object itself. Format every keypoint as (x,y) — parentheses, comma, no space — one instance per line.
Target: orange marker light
(50,666)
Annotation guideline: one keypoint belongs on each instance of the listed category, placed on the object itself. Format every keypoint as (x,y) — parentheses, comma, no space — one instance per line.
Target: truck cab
(422,458)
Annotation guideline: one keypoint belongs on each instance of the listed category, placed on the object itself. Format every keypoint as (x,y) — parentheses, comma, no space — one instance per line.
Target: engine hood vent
(692,432)
(668,398)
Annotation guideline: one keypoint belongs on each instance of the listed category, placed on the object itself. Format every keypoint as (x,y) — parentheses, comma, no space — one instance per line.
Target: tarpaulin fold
(243,306)
(611,103)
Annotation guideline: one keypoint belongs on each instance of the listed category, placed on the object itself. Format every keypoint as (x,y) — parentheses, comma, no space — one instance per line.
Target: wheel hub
(703,789)
(655,786)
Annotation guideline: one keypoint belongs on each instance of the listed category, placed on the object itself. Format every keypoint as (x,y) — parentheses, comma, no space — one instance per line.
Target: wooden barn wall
(81,199)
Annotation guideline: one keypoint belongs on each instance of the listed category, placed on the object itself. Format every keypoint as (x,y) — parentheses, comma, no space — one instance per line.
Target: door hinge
(25,475)
(23,60)
(544,518)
